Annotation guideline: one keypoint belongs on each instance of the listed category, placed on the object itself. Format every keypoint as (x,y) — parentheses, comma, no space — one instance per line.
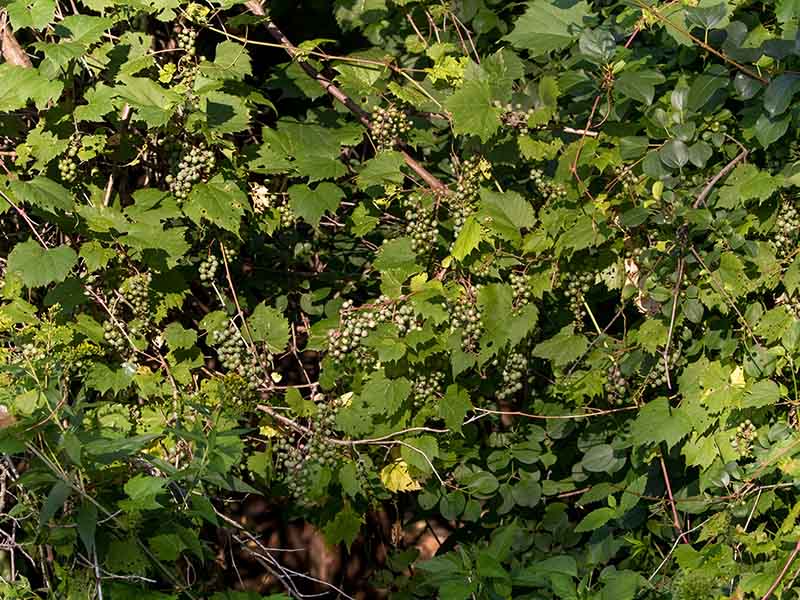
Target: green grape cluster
(694,584)
(186,39)
(138,295)
(617,384)
(742,439)
(794,151)
(546,187)
(195,165)
(426,387)
(471,173)
(521,288)
(406,320)
(301,457)
(354,326)
(208,269)
(514,117)
(577,286)
(113,336)
(235,355)
(421,226)
(514,374)
(658,376)
(787,226)
(264,200)
(714,130)
(630,181)
(465,317)
(389,127)
(31,353)
(68,165)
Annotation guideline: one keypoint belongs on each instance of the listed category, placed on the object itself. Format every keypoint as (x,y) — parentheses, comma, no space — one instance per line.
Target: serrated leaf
(43,193)
(219,202)
(395,477)
(269,325)
(382,170)
(37,266)
(384,396)
(454,406)
(344,527)
(658,422)
(310,204)
(545,26)
(473,112)
(563,348)
(468,238)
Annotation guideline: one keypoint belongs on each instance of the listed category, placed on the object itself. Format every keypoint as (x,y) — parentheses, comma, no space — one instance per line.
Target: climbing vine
(523,277)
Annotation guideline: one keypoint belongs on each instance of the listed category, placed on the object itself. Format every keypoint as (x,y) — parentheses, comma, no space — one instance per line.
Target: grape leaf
(218,201)
(39,266)
(473,112)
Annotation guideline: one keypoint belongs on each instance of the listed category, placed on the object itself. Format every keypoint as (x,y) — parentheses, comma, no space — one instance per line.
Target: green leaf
(21,84)
(310,204)
(418,451)
(598,45)
(748,182)
(268,324)
(763,393)
(218,201)
(598,459)
(153,103)
(658,422)
(639,85)
(142,491)
(344,527)
(86,522)
(36,14)
(706,87)
(454,406)
(43,193)
(546,26)
(674,154)
(225,113)
(769,130)
(509,213)
(384,396)
(231,61)
(382,170)
(780,93)
(473,112)
(563,348)
(37,266)
(595,519)
(178,337)
(468,238)
(55,500)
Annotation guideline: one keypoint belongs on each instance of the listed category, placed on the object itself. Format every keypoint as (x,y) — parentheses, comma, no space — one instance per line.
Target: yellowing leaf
(396,478)
(737,377)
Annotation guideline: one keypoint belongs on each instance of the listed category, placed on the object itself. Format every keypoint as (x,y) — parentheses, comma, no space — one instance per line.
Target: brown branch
(783,572)
(335,92)
(676,521)
(701,199)
(710,49)
(675,294)
(10,49)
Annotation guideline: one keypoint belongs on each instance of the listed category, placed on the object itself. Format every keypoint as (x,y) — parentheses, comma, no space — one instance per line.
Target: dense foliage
(526,270)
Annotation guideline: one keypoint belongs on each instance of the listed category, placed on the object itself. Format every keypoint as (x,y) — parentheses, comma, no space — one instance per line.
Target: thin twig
(255,7)
(701,199)
(676,521)
(675,295)
(783,572)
